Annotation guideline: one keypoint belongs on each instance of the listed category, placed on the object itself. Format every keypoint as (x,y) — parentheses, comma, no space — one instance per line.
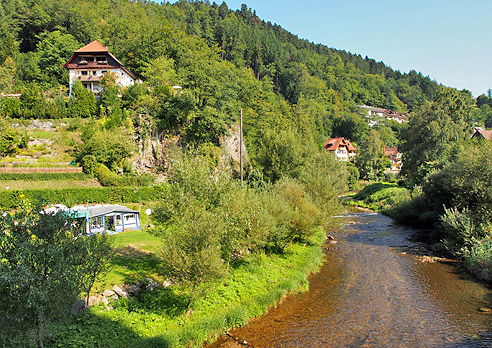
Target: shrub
(44,176)
(478,258)
(105,176)
(303,216)
(11,199)
(382,196)
(108,178)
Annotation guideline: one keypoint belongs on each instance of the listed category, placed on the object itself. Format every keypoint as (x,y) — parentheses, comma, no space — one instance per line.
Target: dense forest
(289,88)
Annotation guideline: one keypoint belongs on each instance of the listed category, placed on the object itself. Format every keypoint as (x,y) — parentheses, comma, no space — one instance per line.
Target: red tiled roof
(487,134)
(332,144)
(350,146)
(94,46)
(391,151)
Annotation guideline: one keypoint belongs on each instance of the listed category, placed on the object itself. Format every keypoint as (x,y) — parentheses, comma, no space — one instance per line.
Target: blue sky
(447,40)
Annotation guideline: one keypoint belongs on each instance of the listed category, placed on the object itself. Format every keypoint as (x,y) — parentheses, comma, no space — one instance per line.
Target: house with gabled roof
(88,64)
(481,133)
(395,158)
(101,218)
(342,148)
(375,114)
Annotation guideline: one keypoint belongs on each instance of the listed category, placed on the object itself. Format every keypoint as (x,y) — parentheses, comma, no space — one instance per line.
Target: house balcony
(92,78)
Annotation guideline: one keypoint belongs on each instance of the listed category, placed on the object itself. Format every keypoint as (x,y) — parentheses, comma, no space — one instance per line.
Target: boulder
(93,301)
(134,289)
(103,299)
(152,284)
(120,292)
(108,293)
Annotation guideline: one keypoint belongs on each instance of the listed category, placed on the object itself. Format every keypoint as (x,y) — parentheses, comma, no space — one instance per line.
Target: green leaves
(43,258)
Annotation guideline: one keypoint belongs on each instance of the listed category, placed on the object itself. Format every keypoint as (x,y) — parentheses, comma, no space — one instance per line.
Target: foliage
(456,202)
(281,154)
(158,318)
(11,140)
(109,178)
(43,176)
(353,176)
(82,102)
(76,195)
(96,254)
(205,206)
(42,260)
(54,49)
(191,253)
(105,147)
(351,126)
(478,258)
(434,134)
(380,196)
(370,157)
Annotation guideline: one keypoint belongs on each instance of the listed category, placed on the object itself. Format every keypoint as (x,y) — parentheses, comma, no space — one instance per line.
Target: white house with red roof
(89,63)
(342,148)
(375,114)
(395,158)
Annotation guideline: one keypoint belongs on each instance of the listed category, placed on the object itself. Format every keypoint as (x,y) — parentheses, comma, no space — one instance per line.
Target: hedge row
(108,178)
(79,195)
(44,176)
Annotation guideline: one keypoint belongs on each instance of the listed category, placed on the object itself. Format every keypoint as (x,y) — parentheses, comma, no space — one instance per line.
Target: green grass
(379,196)
(158,318)
(134,259)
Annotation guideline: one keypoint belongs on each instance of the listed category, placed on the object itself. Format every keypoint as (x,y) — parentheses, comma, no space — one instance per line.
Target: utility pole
(241,143)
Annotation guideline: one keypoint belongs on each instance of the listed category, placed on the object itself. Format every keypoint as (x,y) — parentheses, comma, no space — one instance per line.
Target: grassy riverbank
(380,196)
(158,318)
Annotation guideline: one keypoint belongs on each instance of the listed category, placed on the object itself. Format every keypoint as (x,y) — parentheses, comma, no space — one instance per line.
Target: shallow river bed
(376,289)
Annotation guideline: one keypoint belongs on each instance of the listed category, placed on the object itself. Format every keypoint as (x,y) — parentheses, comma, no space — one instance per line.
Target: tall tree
(41,264)
(370,157)
(434,133)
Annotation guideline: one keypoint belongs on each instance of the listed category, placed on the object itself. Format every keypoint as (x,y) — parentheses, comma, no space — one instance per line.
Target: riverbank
(158,318)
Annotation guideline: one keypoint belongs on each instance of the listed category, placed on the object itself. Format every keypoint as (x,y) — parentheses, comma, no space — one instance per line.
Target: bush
(10,200)
(478,258)
(382,197)
(44,176)
(105,176)
(109,178)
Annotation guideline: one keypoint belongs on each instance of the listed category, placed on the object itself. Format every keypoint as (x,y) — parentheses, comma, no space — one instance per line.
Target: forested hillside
(225,60)
(294,93)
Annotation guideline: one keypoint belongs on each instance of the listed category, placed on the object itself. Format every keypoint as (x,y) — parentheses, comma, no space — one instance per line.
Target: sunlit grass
(134,258)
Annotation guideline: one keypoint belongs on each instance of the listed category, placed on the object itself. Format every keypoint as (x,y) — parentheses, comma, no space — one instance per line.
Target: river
(376,289)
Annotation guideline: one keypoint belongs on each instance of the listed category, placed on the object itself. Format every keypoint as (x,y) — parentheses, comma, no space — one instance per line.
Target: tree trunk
(40,336)
(191,296)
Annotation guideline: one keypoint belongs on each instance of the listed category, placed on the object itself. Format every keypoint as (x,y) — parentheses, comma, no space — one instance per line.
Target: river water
(376,289)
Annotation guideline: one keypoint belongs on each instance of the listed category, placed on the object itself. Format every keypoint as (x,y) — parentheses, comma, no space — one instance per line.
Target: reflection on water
(374,292)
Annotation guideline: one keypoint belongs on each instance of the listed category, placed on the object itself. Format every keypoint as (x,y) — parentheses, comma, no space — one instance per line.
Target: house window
(94,73)
(83,73)
(118,220)
(101,60)
(97,221)
(129,218)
